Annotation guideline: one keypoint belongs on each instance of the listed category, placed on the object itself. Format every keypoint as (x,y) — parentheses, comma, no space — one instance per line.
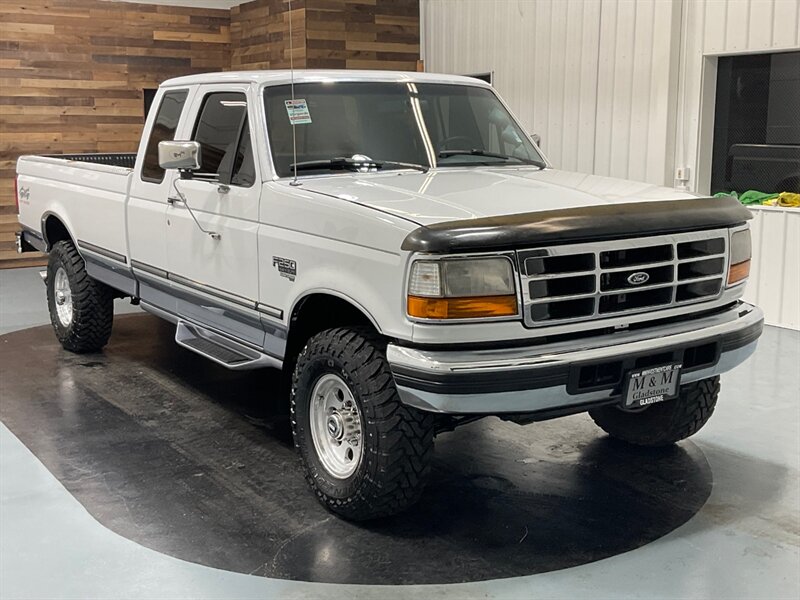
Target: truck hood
(469,193)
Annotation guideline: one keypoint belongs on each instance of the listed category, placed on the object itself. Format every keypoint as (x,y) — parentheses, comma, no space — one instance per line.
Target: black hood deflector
(571,225)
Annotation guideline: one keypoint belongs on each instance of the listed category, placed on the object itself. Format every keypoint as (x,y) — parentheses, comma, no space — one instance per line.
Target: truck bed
(89,191)
(111,159)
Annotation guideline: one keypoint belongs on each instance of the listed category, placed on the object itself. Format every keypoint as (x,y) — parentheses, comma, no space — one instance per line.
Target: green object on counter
(750,196)
(755,197)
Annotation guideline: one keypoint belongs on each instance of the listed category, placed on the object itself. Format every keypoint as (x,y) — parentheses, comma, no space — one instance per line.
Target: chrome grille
(580,282)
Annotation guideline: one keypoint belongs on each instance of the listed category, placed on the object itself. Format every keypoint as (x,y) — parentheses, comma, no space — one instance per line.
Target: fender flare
(45,216)
(329,292)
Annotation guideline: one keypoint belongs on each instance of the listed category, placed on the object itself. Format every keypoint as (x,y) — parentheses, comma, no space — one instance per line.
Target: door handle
(174,201)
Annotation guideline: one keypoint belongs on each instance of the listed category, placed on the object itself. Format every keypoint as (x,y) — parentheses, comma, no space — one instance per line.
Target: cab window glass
(372,119)
(244,172)
(169,113)
(461,125)
(218,130)
(463,117)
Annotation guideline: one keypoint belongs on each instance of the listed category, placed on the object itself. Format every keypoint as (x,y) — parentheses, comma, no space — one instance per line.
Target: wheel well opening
(316,313)
(54,231)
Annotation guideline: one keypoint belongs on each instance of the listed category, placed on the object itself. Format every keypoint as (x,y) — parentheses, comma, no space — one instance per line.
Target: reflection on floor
(167,450)
(189,490)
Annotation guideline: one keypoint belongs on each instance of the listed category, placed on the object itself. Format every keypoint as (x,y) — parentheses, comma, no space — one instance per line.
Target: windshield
(391,123)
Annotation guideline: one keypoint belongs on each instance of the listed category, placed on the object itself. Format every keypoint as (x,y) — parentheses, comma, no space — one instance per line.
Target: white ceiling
(192,3)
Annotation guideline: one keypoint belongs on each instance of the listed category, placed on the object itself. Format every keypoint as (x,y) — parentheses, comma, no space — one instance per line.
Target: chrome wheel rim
(63,297)
(336,427)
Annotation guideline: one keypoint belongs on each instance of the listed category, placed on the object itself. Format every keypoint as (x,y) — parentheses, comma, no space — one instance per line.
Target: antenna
(291,75)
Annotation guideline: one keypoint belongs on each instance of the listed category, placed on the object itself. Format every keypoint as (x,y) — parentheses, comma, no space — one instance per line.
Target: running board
(221,349)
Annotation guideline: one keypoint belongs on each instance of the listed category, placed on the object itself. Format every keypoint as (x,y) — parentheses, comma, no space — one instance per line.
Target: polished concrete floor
(736,482)
(167,450)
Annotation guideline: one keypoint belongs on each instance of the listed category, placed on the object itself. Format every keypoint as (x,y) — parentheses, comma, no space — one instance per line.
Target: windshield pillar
(423,129)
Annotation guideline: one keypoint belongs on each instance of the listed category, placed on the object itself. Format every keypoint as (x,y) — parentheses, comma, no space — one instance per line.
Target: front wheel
(81,308)
(364,453)
(664,423)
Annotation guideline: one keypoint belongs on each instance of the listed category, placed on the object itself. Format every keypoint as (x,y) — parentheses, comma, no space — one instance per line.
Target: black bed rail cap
(583,224)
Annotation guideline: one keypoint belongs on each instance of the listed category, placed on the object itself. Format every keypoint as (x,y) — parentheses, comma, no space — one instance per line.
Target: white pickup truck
(397,244)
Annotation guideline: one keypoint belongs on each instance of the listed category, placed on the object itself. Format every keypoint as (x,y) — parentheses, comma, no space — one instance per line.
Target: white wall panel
(613,86)
(785,24)
(592,77)
(543,54)
(712,28)
(775,271)
(637,89)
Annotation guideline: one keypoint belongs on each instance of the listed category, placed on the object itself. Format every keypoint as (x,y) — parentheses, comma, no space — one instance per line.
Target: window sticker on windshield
(297,110)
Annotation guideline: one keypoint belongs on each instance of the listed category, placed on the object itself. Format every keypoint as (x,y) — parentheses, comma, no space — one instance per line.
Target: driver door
(212,230)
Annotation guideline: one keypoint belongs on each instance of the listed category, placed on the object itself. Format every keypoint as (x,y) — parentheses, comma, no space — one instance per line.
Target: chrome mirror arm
(213,234)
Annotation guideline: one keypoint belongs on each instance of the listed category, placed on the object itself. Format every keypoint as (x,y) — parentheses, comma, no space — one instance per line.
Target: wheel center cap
(61,298)
(335,426)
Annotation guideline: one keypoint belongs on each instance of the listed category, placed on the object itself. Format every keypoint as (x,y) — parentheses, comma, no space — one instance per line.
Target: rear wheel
(81,308)
(365,454)
(664,423)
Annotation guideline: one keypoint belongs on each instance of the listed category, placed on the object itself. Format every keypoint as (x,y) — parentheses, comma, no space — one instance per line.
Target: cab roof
(279,77)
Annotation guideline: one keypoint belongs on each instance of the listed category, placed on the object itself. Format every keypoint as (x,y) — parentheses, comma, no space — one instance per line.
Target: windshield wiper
(478,152)
(353,164)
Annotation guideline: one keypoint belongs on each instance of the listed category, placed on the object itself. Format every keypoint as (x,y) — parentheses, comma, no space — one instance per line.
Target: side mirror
(537,139)
(184,156)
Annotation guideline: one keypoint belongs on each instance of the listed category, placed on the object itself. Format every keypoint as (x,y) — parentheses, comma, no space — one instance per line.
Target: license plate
(651,385)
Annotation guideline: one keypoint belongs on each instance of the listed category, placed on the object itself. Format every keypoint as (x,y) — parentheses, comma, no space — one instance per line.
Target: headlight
(462,288)
(741,251)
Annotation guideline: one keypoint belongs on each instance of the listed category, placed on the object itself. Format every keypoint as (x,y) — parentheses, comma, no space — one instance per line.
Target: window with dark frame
(757,124)
(224,136)
(164,127)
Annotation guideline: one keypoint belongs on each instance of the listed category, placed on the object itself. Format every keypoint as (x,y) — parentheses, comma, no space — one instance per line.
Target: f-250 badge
(286,267)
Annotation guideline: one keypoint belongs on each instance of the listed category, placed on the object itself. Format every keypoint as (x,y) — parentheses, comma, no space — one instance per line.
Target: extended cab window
(223,133)
(169,113)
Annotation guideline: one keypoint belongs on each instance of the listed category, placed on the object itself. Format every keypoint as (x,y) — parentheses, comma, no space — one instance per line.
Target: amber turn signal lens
(462,308)
(738,272)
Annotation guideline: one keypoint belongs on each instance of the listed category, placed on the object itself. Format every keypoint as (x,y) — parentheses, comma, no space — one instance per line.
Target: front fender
(374,287)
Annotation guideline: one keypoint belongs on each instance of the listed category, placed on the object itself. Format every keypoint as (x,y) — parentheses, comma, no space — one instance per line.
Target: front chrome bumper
(549,377)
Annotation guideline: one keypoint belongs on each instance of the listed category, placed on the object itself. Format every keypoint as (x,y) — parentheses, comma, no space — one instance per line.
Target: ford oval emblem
(638,278)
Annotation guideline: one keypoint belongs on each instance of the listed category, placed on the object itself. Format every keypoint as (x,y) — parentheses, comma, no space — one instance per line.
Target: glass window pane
(757,124)
(169,113)
(244,171)
(462,117)
(385,122)
(217,130)
(373,119)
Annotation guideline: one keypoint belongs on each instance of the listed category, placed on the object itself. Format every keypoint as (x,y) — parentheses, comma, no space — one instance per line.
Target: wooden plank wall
(362,34)
(260,35)
(72,71)
(72,74)
(328,34)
